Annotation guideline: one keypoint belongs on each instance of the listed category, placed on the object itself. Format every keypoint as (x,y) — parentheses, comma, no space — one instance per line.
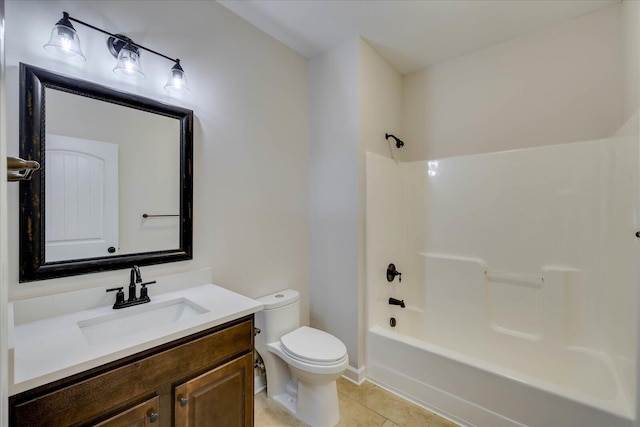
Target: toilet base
(315,405)
(288,402)
(318,404)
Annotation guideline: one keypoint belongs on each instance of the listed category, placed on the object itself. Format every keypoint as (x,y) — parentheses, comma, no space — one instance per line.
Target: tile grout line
(342,396)
(363,404)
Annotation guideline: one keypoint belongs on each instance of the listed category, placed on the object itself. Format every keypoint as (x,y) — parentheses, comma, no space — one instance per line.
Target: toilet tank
(280,314)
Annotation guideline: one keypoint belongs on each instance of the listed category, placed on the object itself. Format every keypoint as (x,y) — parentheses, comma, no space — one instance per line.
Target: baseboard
(356,376)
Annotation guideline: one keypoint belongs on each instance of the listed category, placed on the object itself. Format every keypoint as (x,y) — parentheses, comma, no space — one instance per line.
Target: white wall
(630,10)
(557,85)
(333,194)
(355,98)
(250,99)
(4,393)
(623,300)
(380,106)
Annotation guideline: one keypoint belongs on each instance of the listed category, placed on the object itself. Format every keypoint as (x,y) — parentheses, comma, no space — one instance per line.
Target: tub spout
(394,301)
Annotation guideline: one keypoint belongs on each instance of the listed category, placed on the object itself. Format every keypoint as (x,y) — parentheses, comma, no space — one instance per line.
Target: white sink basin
(55,336)
(137,319)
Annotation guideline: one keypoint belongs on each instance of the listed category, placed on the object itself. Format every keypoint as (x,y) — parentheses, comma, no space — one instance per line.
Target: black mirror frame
(33,82)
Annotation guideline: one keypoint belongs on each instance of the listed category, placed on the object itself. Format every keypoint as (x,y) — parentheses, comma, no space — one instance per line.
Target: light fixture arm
(118,37)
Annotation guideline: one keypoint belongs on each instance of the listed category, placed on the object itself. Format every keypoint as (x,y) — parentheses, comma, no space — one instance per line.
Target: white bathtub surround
(517,266)
(47,345)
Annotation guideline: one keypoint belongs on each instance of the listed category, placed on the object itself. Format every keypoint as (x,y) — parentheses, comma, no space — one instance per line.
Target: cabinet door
(142,415)
(222,397)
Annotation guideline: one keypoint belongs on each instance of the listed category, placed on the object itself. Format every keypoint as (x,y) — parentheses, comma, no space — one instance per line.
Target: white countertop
(53,348)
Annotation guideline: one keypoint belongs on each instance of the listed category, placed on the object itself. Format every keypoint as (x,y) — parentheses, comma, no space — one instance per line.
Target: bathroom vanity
(208,375)
(193,371)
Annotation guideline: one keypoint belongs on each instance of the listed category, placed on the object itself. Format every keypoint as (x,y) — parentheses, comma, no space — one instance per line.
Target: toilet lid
(313,345)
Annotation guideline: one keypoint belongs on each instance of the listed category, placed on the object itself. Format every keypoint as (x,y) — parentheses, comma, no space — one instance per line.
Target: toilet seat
(313,346)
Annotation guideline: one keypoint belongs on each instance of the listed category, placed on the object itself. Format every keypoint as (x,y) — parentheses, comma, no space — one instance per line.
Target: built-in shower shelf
(514,279)
(519,305)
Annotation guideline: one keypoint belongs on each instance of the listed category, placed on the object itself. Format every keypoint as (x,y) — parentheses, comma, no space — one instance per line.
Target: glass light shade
(128,64)
(177,81)
(64,40)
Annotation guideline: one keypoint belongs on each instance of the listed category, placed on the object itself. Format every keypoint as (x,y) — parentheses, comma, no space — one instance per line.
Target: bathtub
(472,391)
(515,316)
(490,348)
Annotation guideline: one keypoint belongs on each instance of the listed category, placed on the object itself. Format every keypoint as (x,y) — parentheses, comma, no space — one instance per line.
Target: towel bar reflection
(20,170)
(155,216)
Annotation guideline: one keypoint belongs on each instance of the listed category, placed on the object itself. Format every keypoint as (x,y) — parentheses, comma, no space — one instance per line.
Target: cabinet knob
(153,417)
(183,401)
(256,331)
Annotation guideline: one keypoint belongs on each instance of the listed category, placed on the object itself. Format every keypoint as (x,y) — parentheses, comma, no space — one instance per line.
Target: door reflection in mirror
(81,198)
(89,210)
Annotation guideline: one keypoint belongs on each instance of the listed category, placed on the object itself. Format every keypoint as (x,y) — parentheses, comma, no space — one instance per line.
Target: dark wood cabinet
(213,369)
(142,415)
(220,397)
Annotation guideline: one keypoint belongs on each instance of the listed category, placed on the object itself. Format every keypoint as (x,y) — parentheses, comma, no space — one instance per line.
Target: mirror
(115,186)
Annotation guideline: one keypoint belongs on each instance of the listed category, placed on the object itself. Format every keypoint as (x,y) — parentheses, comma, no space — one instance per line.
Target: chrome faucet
(135,278)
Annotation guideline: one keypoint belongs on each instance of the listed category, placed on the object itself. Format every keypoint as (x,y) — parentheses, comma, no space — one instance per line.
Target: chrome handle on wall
(20,170)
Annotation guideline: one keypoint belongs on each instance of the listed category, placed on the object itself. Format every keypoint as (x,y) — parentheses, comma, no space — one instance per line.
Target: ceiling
(409,34)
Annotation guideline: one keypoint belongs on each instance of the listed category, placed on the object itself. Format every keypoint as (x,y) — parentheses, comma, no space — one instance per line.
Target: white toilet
(302,363)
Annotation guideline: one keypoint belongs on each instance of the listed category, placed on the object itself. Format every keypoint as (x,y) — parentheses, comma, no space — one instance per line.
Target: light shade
(64,40)
(128,64)
(177,81)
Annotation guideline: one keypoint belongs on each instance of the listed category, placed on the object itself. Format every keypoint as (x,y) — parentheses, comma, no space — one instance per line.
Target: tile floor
(360,406)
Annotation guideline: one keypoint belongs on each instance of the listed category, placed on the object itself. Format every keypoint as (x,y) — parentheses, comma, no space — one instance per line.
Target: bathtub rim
(622,410)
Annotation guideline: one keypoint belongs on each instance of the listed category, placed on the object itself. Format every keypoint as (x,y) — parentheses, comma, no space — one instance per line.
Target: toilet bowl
(302,363)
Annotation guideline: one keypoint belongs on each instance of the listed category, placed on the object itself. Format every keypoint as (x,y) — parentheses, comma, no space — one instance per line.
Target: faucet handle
(392,273)
(119,295)
(143,289)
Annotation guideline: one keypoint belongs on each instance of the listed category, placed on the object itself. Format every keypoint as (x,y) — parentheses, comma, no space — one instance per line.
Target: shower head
(399,142)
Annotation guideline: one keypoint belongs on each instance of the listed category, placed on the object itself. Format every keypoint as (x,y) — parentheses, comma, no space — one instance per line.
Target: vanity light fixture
(177,80)
(64,40)
(128,64)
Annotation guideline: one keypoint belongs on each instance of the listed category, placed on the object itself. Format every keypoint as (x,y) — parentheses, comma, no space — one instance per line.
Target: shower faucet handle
(392,273)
